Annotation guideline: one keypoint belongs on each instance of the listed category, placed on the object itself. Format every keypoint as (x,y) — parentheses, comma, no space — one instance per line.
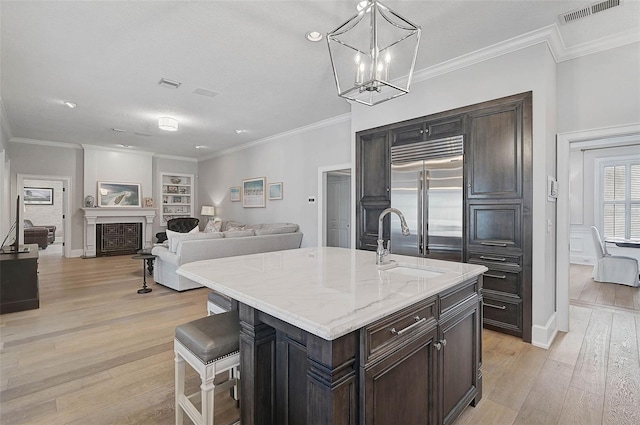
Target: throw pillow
(213,226)
(235,228)
(277,228)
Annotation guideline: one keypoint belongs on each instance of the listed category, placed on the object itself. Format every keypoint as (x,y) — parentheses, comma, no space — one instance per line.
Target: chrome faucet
(381,252)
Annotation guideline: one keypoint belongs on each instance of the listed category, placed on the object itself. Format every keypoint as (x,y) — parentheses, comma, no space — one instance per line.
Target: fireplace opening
(118,238)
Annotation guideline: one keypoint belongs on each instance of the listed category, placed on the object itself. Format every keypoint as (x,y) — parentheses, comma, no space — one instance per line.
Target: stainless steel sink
(414,271)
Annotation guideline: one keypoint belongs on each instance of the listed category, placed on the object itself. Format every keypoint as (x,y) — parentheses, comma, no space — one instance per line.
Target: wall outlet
(312,199)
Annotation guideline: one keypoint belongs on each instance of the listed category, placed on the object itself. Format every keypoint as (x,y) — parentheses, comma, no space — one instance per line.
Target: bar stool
(211,346)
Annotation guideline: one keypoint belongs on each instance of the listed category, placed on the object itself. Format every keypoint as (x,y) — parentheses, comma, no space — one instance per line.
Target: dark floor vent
(583,12)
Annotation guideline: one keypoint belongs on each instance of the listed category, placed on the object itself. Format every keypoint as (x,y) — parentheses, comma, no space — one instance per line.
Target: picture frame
(148,202)
(177,199)
(234,194)
(172,189)
(253,193)
(275,191)
(115,194)
(38,195)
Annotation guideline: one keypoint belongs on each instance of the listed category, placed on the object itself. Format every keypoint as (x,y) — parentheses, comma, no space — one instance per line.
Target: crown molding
(110,149)
(45,143)
(549,35)
(175,157)
(296,131)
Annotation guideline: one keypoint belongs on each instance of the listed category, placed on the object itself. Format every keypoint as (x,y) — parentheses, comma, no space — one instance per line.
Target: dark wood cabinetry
(19,281)
(373,181)
(430,375)
(498,195)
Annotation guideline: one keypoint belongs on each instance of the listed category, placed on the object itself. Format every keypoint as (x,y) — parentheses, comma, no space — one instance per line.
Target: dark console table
(19,281)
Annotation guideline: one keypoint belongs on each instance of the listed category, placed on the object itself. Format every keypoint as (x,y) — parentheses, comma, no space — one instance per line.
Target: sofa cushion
(175,240)
(239,233)
(232,225)
(277,228)
(213,226)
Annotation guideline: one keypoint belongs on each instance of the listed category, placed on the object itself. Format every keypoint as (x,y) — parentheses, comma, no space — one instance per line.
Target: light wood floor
(96,352)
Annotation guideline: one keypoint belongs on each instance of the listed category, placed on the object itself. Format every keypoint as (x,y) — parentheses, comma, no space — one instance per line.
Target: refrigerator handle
(420,214)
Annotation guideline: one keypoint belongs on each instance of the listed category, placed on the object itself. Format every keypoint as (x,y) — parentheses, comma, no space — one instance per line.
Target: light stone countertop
(326,291)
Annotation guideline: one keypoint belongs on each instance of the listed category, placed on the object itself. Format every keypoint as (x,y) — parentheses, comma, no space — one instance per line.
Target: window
(620,199)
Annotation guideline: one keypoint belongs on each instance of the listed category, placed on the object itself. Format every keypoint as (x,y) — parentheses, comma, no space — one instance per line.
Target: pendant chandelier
(373,54)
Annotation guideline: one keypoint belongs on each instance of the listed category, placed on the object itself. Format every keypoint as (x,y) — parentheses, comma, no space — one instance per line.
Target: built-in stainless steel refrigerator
(426,186)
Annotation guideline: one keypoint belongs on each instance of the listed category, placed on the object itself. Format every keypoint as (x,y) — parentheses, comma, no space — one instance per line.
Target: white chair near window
(613,268)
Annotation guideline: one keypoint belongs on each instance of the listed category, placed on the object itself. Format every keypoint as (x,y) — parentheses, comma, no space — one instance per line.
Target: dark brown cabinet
(431,374)
(497,197)
(19,281)
(373,182)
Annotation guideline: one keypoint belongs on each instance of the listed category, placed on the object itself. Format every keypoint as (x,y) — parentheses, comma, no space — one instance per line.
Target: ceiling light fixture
(168,124)
(124,146)
(373,59)
(69,104)
(118,130)
(313,36)
(199,146)
(240,131)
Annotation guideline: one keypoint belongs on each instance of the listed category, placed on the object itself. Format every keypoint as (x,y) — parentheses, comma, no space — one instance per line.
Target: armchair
(612,268)
(180,225)
(36,234)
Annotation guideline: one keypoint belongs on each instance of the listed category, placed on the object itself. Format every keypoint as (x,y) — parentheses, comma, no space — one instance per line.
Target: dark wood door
(494,156)
(373,182)
(400,388)
(458,338)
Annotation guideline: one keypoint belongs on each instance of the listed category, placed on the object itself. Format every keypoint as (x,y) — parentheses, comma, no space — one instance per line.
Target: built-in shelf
(177,196)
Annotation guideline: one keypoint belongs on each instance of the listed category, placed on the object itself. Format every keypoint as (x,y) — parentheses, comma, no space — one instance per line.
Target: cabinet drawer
(456,296)
(503,314)
(390,333)
(502,281)
(496,260)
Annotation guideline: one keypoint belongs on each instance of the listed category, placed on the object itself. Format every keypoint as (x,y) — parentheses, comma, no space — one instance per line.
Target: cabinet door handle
(493,243)
(486,257)
(499,307)
(497,276)
(440,344)
(419,321)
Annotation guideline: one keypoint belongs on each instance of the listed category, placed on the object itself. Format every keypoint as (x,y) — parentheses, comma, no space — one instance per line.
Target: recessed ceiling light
(168,124)
(199,146)
(124,146)
(170,84)
(240,130)
(69,104)
(118,130)
(313,36)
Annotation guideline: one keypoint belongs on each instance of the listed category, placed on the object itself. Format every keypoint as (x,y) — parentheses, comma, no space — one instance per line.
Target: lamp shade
(168,124)
(208,210)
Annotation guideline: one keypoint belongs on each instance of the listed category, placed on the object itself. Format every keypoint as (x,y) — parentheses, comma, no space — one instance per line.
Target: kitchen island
(328,337)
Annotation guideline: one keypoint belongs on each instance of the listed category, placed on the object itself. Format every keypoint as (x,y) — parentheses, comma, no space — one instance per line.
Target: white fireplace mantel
(94,216)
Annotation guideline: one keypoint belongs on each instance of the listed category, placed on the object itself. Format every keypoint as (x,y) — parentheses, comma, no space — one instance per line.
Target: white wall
(39,159)
(531,69)
(49,215)
(585,176)
(599,90)
(112,165)
(293,159)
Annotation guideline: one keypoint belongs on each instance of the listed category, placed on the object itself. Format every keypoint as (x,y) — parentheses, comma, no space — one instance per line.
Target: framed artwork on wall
(148,202)
(275,191)
(234,194)
(111,194)
(38,196)
(253,193)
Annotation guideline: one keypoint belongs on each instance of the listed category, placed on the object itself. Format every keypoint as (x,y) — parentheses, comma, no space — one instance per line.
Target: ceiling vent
(170,84)
(205,92)
(583,12)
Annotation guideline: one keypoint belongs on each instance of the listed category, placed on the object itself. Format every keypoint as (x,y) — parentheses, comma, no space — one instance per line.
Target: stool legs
(180,377)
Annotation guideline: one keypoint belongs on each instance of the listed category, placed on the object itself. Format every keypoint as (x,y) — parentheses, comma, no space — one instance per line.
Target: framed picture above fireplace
(113,194)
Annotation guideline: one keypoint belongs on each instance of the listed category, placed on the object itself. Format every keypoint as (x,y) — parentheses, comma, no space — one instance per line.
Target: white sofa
(244,239)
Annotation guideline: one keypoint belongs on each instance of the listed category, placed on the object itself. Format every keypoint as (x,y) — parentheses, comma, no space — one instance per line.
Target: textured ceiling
(108,57)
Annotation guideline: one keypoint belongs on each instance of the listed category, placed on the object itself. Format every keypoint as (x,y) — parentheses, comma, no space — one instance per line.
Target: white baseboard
(543,336)
(578,259)
(76,253)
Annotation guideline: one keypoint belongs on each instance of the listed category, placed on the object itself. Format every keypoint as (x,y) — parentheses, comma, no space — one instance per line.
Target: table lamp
(209,211)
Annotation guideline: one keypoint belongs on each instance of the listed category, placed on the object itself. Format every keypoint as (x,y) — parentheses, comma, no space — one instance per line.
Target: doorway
(565,142)
(334,207)
(57,213)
